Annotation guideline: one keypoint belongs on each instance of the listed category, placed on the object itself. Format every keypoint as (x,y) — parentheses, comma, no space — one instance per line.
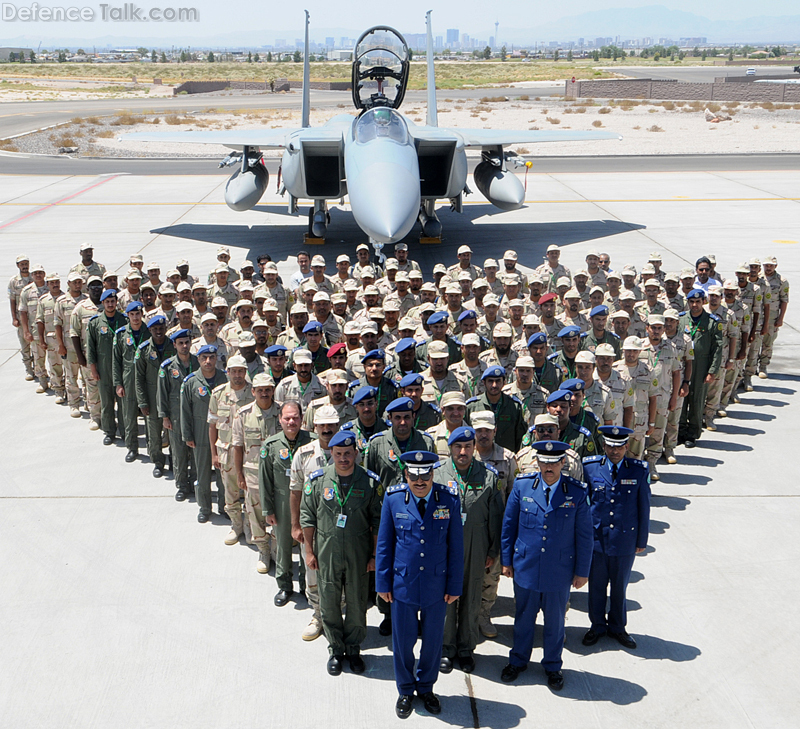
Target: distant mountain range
(653,21)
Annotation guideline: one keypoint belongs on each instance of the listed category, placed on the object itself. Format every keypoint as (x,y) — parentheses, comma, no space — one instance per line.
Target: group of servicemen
(257,383)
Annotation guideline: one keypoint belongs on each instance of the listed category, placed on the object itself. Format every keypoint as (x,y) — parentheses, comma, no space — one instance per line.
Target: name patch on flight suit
(441,513)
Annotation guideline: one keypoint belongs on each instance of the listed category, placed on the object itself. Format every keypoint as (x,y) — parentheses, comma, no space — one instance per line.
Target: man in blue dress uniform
(546,548)
(619,489)
(419,570)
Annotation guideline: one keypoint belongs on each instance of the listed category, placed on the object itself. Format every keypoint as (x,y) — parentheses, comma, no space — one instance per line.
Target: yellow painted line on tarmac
(786,242)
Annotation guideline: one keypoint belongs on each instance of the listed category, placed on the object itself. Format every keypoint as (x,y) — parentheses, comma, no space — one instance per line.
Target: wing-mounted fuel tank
(380,57)
(245,186)
(496,182)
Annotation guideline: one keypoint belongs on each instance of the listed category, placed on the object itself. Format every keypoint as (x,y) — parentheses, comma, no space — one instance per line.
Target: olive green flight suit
(149,357)
(706,337)
(126,344)
(100,335)
(343,548)
(171,375)
(508,418)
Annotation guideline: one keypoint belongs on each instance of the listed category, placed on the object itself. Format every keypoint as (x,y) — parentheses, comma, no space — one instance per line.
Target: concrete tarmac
(121,610)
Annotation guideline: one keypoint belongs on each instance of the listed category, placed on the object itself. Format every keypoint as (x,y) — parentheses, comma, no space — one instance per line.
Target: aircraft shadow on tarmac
(487,240)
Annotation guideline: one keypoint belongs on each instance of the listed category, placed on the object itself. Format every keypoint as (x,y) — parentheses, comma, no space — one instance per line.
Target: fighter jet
(392,170)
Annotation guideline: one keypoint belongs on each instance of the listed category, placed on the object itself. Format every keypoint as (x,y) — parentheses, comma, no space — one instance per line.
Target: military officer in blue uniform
(546,548)
(619,489)
(367,423)
(419,567)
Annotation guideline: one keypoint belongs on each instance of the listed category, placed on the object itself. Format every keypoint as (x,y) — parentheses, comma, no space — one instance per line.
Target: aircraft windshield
(380,49)
(380,68)
(381,123)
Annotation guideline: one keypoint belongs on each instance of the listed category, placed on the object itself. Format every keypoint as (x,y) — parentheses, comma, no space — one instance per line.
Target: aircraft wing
(231,138)
(505,137)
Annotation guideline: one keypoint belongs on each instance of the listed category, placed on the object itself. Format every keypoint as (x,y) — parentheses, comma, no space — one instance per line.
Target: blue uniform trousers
(553,606)
(406,620)
(605,570)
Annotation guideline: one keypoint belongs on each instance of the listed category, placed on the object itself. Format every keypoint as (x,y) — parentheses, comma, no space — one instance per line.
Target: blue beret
(343,438)
(598,310)
(364,393)
(274,349)
(157,319)
(574,385)
(404,344)
(468,314)
(550,451)
(464,434)
(495,371)
(374,354)
(107,293)
(133,306)
(312,326)
(180,333)
(207,349)
(538,338)
(559,395)
(696,294)
(437,317)
(400,405)
(410,380)
(570,331)
(615,434)
(419,458)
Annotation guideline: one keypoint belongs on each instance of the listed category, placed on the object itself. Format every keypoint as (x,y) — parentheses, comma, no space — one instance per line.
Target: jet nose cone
(385,201)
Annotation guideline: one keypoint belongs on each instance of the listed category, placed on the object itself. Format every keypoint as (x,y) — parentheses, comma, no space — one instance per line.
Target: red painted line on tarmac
(57,202)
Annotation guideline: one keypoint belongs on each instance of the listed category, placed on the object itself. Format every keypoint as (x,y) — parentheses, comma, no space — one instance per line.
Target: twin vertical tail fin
(432,117)
(306,112)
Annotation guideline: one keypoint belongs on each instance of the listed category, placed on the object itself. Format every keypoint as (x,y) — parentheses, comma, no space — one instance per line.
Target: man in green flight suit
(149,357)
(99,346)
(340,513)
(507,409)
(383,457)
(195,395)
(706,330)
(126,344)
(482,518)
(173,371)
(274,475)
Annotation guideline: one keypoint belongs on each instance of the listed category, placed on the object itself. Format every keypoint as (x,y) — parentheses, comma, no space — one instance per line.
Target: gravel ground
(646,128)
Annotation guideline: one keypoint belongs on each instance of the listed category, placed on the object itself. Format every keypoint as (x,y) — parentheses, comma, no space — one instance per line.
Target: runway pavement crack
(473,704)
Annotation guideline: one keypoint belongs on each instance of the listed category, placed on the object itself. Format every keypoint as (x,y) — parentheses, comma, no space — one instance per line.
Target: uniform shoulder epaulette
(376,435)
(349,425)
(121,329)
(166,363)
(616,336)
(584,335)
(316,474)
(637,462)
(472,399)
(219,388)
(386,369)
(188,377)
(592,459)
(374,476)
(433,406)
(393,383)
(516,399)
(584,431)
(451,487)
(94,317)
(592,415)
(143,344)
(714,317)
(574,482)
(552,356)
(397,487)
(532,474)
(490,467)
(307,448)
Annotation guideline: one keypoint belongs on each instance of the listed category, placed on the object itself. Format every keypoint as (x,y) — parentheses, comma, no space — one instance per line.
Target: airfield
(120,610)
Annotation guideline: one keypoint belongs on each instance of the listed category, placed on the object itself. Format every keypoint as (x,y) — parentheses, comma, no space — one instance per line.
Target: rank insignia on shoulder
(316,474)
(374,476)
(188,377)
(452,487)
(492,469)
(472,399)
(397,487)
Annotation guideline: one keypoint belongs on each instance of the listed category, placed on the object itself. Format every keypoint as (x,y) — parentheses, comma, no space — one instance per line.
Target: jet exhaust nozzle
(245,189)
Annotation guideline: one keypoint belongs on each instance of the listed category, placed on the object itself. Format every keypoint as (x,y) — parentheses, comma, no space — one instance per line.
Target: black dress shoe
(510,673)
(158,472)
(624,639)
(108,440)
(335,665)
(431,701)
(203,518)
(403,706)
(591,637)
(356,663)
(466,663)
(445,665)
(130,456)
(555,680)
(180,495)
(385,628)
(690,443)
(283,597)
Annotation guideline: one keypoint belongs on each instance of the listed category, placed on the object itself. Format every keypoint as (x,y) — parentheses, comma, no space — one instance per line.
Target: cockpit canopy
(381,123)
(380,68)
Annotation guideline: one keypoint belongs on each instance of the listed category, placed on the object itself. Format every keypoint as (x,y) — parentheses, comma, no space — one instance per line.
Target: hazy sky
(285,19)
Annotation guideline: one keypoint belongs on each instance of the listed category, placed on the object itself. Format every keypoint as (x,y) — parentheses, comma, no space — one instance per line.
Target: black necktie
(614,472)
(547,496)
(421,507)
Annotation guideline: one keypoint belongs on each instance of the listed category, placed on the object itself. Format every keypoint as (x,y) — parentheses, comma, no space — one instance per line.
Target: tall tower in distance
(496,39)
